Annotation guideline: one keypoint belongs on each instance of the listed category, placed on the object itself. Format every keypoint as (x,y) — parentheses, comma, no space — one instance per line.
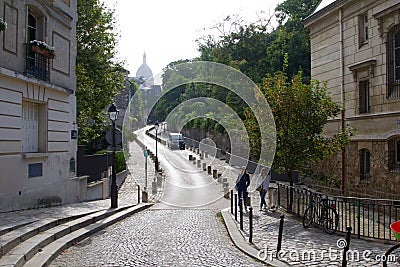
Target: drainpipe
(342,117)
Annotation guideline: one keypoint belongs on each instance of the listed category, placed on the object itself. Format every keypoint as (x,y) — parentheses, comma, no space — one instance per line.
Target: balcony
(37,64)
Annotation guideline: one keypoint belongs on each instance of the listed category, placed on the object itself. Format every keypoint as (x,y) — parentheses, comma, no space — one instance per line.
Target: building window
(393,59)
(363,29)
(364,96)
(365,164)
(37,65)
(34,130)
(394,155)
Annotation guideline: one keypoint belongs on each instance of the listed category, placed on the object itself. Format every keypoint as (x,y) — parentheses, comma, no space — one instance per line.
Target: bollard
(154,187)
(145,197)
(206,154)
(194,160)
(198,163)
(251,224)
(201,155)
(346,248)
(190,157)
(215,174)
(209,169)
(204,166)
(236,205)
(241,213)
(159,180)
(138,195)
(279,246)
(231,201)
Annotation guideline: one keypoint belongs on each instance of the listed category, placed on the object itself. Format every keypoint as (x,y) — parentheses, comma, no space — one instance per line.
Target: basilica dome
(144,72)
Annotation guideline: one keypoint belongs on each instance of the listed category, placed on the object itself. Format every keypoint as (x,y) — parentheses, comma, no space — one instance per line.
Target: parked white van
(176,140)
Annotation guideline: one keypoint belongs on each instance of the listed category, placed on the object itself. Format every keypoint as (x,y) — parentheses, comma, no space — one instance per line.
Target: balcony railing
(37,65)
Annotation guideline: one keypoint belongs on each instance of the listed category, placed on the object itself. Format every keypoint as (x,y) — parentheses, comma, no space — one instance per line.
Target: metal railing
(37,65)
(367,217)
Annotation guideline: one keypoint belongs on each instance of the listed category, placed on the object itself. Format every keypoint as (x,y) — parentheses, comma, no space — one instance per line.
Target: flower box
(41,51)
(3,24)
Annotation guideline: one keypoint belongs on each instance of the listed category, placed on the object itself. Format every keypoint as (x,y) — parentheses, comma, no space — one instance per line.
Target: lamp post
(156,127)
(113,114)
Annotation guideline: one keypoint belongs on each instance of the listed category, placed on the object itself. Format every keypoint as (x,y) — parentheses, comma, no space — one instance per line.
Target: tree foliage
(99,73)
(301,112)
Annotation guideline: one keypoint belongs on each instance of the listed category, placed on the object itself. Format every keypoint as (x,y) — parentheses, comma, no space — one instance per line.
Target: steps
(38,243)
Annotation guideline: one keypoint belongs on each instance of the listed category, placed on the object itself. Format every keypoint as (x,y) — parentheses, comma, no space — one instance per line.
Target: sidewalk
(305,247)
(300,246)
(127,196)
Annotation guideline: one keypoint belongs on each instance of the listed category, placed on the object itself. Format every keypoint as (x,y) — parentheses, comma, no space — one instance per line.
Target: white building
(37,104)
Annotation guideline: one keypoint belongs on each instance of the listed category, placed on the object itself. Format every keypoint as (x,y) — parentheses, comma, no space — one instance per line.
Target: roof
(323,4)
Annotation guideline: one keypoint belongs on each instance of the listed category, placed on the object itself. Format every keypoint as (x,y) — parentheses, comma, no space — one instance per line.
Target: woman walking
(262,185)
(242,182)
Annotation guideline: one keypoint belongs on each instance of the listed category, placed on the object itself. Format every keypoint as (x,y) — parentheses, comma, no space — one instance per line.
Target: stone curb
(241,243)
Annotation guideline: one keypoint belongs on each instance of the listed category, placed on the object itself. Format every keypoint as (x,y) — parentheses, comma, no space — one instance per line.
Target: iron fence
(367,217)
(37,65)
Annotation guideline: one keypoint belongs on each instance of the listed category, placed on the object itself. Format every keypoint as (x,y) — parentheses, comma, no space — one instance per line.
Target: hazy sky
(167,30)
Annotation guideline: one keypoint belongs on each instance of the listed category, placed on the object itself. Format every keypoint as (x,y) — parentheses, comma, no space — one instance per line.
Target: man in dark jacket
(242,182)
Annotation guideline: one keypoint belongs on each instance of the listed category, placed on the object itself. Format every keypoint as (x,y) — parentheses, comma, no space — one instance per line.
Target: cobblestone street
(159,238)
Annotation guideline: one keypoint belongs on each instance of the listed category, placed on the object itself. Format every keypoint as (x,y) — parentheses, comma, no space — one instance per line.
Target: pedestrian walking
(242,182)
(264,178)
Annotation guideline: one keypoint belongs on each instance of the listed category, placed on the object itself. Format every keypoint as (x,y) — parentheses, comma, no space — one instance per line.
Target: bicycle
(393,259)
(325,214)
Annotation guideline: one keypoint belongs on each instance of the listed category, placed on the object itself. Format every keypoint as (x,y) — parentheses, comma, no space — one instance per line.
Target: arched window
(365,164)
(393,62)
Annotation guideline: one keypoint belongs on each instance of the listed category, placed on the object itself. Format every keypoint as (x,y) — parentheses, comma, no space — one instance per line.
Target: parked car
(176,140)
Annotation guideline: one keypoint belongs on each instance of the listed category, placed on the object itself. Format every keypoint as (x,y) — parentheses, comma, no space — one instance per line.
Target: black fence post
(279,246)
(347,246)
(241,213)
(231,201)
(251,224)
(359,219)
(138,194)
(236,204)
(279,196)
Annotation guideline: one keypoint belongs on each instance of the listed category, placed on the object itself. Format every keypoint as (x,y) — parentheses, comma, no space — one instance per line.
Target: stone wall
(381,184)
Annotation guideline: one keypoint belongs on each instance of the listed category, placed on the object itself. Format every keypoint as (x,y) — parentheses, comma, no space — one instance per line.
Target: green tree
(99,73)
(301,112)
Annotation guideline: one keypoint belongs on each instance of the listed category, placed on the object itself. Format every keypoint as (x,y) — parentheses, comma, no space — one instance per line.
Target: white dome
(145,72)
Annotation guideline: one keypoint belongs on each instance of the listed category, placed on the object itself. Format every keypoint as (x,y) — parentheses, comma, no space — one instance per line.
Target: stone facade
(37,104)
(354,47)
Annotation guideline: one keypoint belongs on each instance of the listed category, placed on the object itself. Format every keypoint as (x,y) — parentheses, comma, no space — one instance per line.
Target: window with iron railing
(36,64)
(37,61)
(393,59)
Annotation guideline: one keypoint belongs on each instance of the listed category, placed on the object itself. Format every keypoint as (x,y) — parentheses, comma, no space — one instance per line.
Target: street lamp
(156,127)
(113,114)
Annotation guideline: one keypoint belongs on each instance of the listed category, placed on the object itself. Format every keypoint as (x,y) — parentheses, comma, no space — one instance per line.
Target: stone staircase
(39,242)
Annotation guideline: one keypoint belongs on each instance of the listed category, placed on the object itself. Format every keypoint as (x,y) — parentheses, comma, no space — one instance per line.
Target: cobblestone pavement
(300,246)
(159,238)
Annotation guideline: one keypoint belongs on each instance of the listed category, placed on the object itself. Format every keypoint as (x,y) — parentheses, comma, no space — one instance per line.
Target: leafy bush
(120,161)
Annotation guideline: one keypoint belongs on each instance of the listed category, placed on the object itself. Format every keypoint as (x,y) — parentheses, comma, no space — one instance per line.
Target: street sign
(118,136)
(146,153)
